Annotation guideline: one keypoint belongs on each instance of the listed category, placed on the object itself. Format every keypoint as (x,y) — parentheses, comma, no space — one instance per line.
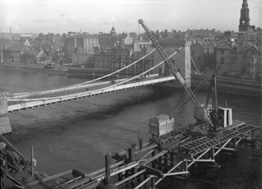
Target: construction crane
(174,71)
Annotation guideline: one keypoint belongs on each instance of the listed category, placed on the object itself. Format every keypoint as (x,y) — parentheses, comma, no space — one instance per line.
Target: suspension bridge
(175,153)
(11,102)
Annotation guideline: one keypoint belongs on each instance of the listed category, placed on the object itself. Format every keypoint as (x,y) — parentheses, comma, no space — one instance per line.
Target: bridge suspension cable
(74,87)
(86,92)
(125,81)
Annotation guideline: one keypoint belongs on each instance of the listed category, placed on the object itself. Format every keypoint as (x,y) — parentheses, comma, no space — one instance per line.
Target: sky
(93,16)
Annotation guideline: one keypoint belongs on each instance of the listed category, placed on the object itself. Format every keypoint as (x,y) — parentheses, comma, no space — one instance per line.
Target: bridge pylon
(5,126)
(187,68)
(182,60)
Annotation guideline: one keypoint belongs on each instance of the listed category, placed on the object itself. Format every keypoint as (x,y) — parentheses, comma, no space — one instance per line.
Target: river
(77,134)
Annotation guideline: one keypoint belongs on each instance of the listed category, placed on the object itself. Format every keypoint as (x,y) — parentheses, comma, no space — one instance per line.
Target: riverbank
(92,73)
(36,67)
(224,84)
(230,85)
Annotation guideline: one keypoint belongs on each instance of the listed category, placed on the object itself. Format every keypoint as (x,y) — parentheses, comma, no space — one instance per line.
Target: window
(234,59)
(199,59)
(222,60)
(193,52)
(222,52)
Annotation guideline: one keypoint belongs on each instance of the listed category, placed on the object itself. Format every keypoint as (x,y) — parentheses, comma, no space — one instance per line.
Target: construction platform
(142,165)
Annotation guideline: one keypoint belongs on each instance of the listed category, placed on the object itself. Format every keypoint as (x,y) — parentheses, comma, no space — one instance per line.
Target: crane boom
(175,71)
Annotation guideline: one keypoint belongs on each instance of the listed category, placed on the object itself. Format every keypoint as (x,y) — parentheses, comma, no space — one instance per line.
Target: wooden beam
(222,147)
(176,173)
(103,169)
(199,157)
(12,147)
(50,177)
(178,164)
(142,183)
(130,177)
(154,157)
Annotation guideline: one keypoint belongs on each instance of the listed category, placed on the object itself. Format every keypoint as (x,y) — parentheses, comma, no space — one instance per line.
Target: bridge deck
(30,103)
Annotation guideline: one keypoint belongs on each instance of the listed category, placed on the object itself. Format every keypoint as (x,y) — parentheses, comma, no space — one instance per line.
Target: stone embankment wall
(231,85)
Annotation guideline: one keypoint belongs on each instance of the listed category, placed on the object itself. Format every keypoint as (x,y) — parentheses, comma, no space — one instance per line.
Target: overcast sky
(93,16)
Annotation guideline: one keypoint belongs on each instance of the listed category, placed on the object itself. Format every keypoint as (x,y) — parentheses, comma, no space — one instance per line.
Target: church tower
(113,31)
(244,18)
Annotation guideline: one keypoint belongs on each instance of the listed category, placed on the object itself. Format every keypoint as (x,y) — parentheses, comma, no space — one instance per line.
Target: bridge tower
(182,60)
(5,126)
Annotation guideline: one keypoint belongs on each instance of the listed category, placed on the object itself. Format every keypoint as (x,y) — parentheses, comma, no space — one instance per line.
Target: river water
(77,134)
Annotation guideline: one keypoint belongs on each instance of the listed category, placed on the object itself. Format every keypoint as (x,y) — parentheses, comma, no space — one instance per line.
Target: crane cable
(188,99)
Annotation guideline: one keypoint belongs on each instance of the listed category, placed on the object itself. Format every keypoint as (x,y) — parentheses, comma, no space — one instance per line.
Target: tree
(90,62)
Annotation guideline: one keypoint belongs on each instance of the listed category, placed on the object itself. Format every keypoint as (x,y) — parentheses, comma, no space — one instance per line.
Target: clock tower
(244,18)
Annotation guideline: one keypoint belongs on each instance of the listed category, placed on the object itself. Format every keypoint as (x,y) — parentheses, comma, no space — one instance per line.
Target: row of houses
(242,60)
(232,53)
(239,59)
(43,48)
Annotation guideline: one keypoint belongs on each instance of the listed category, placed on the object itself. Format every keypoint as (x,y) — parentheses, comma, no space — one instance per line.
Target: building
(202,34)
(90,43)
(24,37)
(102,59)
(240,60)
(113,32)
(141,44)
(81,43)
(203,53)
(16,51)
(5,54)
(41,57)
(145,63)
(223,58)
(71,45)
(114,58)
(128,40)
(80,58)
(121,56)
(252,63)
(106,40)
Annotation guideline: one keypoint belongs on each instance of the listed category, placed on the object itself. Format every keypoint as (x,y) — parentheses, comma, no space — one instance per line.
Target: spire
(113,31)
(244,17)
(244,4)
